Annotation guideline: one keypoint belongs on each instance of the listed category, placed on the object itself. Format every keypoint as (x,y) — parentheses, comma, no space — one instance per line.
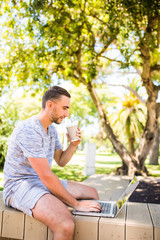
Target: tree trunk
(154,153)
(131,164)
(131,142)
(151,127)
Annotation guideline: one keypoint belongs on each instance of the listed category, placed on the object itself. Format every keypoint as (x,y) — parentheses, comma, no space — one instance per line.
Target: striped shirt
(28,139)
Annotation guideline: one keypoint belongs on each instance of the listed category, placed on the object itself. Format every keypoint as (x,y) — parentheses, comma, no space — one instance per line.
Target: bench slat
(2,238)
(86,228)
(50,234)
(138,222)
(13,224)
(34,229)
(2,208)
(155,215)
(113,228)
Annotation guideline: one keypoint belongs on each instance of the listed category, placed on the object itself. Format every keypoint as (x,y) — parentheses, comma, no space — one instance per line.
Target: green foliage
(60,37)
(72,39)
(142,26)
(82,107)
(14,109)
(128,122)
(8,118)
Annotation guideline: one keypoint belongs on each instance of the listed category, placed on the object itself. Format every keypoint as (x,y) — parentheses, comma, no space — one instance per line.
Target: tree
(128,121)
(145,19)
(72,39)
(13,109)
(154,153)
(8,118)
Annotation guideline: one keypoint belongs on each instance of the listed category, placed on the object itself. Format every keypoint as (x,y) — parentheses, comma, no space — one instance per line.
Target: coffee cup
(72,129)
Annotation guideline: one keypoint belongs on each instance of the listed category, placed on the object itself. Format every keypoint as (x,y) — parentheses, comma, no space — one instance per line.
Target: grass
(70,172)
(105,164)
(154,170)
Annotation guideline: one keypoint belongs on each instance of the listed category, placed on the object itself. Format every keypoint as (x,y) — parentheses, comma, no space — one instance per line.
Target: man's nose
(67,113)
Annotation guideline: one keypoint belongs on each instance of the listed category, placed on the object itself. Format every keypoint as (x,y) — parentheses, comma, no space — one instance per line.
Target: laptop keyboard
(106,207)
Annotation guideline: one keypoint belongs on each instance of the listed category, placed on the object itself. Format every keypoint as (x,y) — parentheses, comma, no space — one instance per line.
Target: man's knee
(66,226)
(82,191)
(95,193)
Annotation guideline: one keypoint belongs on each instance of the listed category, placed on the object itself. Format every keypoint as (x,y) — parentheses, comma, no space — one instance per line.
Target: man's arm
(63,157)
(52,182)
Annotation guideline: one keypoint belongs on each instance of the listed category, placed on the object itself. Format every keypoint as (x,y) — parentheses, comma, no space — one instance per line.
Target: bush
(8,117)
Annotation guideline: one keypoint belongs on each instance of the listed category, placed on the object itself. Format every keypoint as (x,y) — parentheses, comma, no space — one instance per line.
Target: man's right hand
(88,206)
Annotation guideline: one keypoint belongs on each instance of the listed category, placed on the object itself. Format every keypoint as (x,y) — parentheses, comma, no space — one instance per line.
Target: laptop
(112,208)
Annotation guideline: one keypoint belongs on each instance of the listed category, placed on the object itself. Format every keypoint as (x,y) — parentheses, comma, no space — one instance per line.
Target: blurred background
(107,55)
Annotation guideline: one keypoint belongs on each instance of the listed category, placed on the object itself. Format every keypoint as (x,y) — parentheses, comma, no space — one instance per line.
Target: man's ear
(49,104)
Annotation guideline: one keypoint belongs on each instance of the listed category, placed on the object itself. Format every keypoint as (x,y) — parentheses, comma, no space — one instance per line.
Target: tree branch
(100,20)
(89,27)
(129,89)
(158,32)
(112,60)
(155,68)
(138,71)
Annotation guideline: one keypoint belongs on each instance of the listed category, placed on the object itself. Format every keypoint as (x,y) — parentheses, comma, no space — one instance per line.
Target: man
(29,183)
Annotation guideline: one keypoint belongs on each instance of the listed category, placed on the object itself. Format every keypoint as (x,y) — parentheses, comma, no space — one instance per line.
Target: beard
(54,118)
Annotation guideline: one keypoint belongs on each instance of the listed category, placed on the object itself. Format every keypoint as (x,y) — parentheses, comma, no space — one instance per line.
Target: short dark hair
(54,92)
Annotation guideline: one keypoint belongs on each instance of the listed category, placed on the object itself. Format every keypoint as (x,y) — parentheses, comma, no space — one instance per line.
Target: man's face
(59,109)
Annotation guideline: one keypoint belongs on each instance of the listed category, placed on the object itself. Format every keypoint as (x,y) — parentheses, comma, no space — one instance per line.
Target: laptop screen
(126,194)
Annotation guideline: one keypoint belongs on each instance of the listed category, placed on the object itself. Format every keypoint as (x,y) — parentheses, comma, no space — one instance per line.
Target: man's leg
(81,191)
(53,213)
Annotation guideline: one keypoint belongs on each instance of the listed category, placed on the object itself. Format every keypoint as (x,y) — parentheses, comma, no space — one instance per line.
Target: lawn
(105,164)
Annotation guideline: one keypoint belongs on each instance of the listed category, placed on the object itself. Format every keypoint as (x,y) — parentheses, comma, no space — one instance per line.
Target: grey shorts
(27,201)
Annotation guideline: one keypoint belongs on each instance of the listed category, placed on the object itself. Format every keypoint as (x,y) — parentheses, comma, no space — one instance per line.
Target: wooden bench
(136,221)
